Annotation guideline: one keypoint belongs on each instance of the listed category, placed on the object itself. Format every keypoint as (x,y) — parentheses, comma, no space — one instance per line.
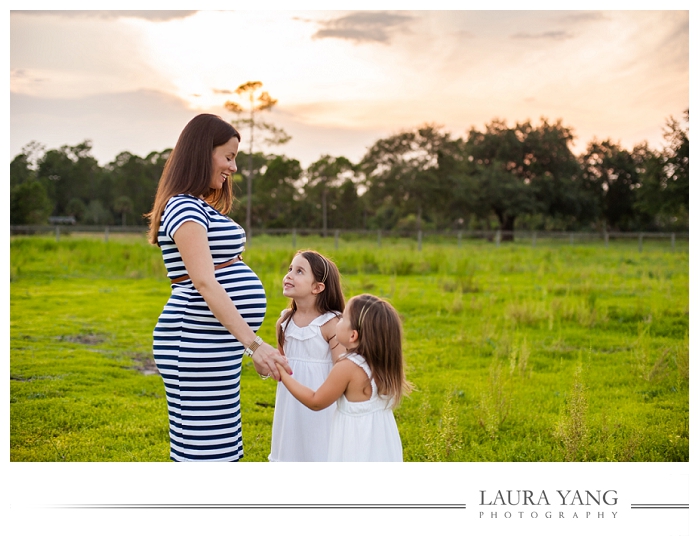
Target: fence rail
(495,236)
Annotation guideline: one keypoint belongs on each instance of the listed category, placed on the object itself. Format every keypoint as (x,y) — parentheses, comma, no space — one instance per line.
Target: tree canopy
(521,176)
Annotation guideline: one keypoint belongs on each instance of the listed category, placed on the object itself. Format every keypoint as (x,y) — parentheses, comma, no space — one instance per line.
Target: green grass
(518,353)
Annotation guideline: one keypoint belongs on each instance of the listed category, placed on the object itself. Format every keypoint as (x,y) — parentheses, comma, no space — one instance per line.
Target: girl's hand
(282,371)
(267,361)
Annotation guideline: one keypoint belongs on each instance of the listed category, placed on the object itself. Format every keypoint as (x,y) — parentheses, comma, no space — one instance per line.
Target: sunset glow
(344,79)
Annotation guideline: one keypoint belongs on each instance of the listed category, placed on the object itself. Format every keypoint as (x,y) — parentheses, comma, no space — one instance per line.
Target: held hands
(268,361)
(282,372)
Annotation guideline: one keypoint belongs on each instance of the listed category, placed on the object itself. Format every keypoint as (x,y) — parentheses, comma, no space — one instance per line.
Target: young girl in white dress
(306,335)
(367,383)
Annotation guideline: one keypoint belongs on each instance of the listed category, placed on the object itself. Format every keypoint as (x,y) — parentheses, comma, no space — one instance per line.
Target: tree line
(522,176)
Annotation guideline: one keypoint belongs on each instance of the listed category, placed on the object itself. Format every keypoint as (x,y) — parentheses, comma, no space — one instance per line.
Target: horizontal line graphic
(659,506)
(260,506)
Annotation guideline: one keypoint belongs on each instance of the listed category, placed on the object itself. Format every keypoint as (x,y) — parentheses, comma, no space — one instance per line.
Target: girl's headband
(362,313)
(325,268)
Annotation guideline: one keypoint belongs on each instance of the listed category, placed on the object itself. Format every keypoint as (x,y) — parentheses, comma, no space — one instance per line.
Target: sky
(131,80)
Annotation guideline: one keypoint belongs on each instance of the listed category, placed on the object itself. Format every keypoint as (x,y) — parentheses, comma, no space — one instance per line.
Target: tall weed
(572,429)
(649,367)
(519,359)
(495,402)
(443,442)
(526,312)
(682,363)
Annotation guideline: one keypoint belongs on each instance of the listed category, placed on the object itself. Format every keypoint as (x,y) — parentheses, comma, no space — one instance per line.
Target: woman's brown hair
(380,342)
(331,298)
(188,169)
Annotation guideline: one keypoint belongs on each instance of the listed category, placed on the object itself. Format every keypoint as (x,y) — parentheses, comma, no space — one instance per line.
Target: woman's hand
(266,359)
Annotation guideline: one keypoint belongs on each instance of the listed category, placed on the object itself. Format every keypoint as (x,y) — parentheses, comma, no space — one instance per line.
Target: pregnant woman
(217,302)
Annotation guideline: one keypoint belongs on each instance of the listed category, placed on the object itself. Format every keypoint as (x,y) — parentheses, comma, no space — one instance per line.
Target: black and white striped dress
(198,359)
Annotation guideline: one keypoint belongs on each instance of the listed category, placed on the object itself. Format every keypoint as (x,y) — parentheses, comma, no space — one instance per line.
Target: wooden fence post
(497,238)
(640,242)
(58,233)
(106,234)
(419,240)
(293,238)
(672,239)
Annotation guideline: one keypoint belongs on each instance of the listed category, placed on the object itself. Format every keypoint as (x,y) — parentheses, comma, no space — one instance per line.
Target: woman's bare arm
(193,245)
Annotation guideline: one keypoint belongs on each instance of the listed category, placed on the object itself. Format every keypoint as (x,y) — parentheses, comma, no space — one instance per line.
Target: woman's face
(223,158)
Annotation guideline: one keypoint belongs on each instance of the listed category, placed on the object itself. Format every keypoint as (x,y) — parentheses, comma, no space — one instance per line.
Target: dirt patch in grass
(87,339)
(144,364)
(19,378)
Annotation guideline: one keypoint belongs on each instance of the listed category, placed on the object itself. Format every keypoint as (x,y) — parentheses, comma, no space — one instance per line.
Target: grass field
(518,353)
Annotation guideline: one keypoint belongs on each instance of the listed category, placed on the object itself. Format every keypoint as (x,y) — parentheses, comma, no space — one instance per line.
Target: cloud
(139,121)
(150,15)
(363,26)
(551,35)
(582,16)
(673,49)
(24,76)
(463,35)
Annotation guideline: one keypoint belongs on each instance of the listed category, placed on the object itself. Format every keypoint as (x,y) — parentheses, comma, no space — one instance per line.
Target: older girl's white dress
(300,434)
(364,431)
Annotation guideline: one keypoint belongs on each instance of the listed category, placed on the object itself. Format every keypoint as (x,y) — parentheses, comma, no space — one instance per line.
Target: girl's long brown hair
(189,168)
(380,342)
(331,298)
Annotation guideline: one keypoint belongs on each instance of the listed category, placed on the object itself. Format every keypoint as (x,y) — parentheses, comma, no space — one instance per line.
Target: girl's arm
(335,385)
(193,246)
(328,330)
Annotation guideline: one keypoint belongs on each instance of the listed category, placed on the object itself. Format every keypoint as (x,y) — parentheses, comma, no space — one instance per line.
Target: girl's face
(223,158)
(346,335)
(299,281)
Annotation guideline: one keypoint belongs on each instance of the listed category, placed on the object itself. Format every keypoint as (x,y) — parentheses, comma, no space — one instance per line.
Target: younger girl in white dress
(367,383)
(306,335)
